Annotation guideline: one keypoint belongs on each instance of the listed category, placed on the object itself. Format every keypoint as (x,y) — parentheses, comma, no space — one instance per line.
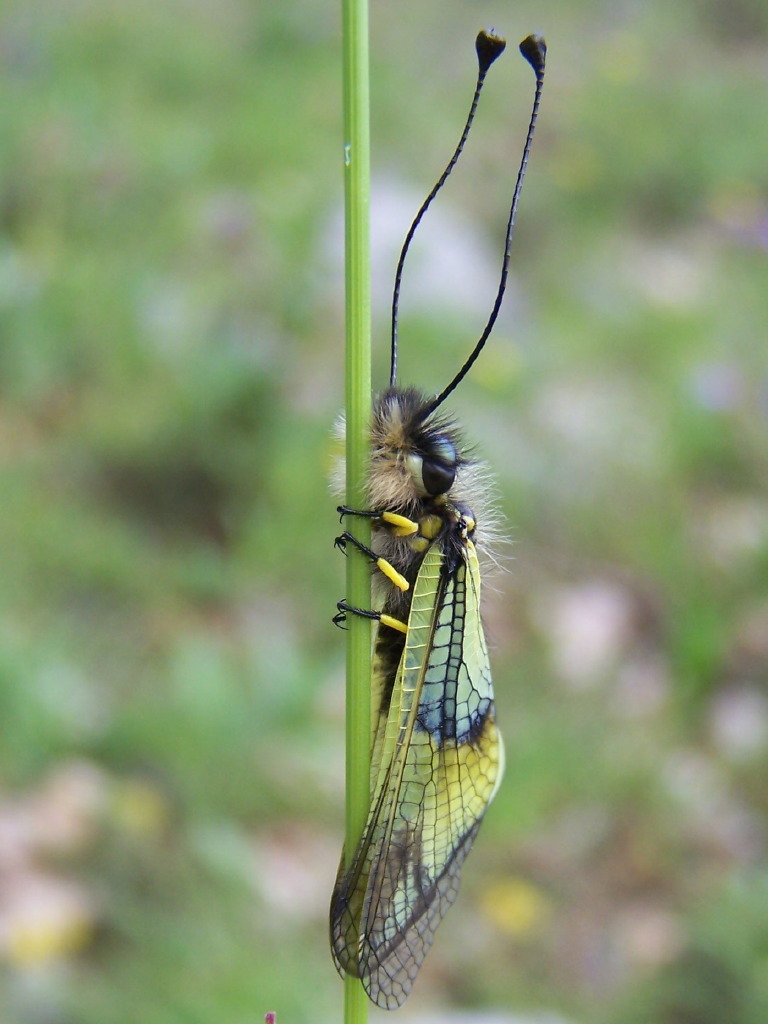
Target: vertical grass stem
(358,407)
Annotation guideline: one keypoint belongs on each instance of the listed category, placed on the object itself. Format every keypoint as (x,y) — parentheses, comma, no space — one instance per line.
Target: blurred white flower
(739,722)
(649,935)
(587,625)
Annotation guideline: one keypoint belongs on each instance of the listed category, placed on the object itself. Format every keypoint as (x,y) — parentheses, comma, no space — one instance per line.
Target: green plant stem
(358,408)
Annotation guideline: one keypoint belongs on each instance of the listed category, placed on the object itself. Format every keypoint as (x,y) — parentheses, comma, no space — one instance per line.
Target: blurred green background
(171,688)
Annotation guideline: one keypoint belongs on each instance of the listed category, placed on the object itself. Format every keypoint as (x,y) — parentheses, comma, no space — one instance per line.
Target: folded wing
(437,763)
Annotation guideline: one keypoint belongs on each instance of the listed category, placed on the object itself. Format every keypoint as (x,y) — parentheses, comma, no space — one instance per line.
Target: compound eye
(437,477)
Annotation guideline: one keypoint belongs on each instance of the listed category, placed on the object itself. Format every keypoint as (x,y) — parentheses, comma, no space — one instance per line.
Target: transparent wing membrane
(436,764)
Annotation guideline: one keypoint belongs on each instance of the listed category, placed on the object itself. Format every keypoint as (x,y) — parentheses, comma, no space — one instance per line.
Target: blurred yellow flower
(32,943)
(516,906)
(42,919)
(139,807)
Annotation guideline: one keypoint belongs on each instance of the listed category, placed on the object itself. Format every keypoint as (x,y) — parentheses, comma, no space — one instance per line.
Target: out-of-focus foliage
(171,693)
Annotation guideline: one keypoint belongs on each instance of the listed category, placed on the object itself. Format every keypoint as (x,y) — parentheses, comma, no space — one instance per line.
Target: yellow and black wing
(437,762)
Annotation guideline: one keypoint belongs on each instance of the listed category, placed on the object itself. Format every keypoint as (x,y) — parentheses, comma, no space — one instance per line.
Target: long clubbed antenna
(488,47)
(534,49)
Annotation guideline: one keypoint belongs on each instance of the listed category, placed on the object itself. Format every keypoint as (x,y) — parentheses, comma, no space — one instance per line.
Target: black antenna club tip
(534,49)
(488,47)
